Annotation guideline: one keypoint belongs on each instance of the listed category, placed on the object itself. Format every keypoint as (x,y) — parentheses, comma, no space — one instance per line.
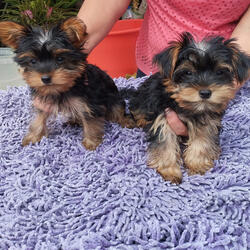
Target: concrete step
(9,75)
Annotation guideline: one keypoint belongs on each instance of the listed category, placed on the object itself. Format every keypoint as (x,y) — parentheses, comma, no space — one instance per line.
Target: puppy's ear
(240,61)
(167,59)
(75,30)
(11,33)
(242,67)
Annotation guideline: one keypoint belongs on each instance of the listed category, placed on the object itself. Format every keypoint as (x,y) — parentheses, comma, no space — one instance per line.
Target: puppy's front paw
(91,144)
(165,157)
(198,165)
(170,171)
(31,138)
(200,154)
(171,174)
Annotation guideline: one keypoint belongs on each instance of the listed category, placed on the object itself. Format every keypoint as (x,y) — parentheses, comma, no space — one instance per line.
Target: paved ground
(9,75)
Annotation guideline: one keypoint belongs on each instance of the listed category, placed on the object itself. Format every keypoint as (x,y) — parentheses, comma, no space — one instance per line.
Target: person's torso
(165,20)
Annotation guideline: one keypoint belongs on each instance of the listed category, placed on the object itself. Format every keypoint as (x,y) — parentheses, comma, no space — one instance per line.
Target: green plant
(37,12)
(138,8)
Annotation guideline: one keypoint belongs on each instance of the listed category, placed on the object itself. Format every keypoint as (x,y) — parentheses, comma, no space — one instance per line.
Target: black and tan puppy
(196,80)
(55,67)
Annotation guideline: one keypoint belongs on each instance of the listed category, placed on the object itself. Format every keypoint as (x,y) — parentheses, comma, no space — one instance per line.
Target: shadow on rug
(57,195)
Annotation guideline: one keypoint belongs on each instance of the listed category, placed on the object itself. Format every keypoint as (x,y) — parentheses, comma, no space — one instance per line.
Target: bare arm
(99,17)
(242,32)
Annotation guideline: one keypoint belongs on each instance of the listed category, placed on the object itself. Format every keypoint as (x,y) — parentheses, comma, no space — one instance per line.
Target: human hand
(45,107)
(175,123)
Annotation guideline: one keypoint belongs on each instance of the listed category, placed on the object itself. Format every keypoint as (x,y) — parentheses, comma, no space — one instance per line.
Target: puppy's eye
(220,72)
(59,59)
(189,73)
(33,61)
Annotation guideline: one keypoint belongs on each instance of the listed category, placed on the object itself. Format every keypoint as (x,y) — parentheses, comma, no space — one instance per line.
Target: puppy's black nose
(205,93)
(46,79)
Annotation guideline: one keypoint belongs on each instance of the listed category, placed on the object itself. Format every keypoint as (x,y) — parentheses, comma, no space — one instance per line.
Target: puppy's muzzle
(46,79)
(205,93)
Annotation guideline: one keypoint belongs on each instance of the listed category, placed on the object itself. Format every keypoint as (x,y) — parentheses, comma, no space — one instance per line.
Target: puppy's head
(51,59)
(201,76)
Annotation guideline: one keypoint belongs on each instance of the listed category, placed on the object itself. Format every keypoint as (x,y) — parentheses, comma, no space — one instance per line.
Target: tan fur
(190,99)
(202,116)
(26,54)
(93,132)
(188,94)
(140,119)
(118,115)
(37,129)
(21,70)
(175,52)
(10,33)
(75,30)
(224,66)
(59,51)
(165,157)
(201,149)
(33,78)
(222,94)
(170,87)
(62,80)
(75,109)
(67,77)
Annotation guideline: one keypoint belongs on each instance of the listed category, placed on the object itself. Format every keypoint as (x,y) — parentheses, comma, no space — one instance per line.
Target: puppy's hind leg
(140,118)
(119,116)
(73,122)
(93,132)
(164,150)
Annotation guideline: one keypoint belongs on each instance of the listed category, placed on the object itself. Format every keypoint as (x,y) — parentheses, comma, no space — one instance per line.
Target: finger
(175,123)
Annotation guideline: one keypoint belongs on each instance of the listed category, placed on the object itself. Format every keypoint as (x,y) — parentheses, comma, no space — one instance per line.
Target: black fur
(100,91)
(55,67)
(152,98)
(196,80)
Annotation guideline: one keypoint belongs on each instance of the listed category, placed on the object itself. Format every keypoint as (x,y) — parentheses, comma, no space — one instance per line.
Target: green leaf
(61,9)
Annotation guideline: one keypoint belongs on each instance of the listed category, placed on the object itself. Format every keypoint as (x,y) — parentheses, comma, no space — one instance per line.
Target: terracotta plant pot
(116,53)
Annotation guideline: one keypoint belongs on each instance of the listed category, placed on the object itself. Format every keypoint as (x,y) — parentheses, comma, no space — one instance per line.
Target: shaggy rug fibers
(57,195)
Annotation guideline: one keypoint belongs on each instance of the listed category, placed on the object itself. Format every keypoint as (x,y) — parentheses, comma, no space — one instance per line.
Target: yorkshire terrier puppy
(55,68)
(196,80)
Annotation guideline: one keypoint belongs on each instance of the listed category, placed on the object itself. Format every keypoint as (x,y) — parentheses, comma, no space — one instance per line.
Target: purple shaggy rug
(56,195)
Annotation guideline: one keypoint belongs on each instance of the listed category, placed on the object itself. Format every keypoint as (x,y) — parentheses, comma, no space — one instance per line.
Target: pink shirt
(164,20)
